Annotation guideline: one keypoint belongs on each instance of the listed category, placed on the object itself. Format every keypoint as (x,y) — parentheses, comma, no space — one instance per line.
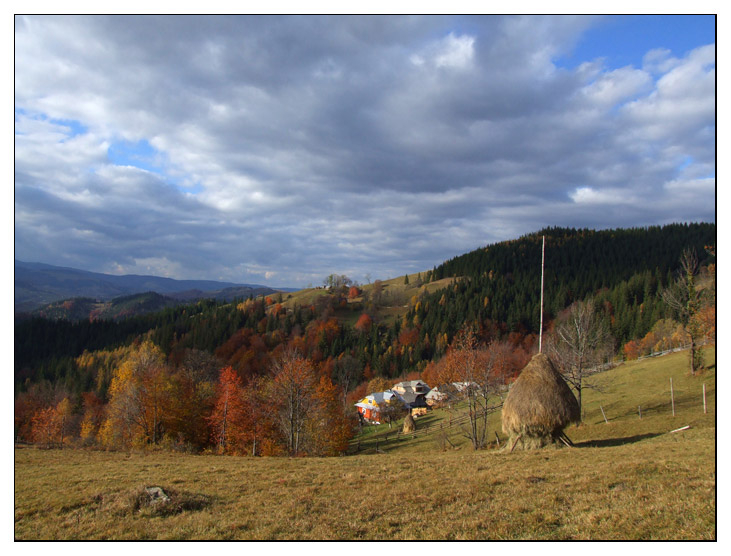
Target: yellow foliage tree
(138,396)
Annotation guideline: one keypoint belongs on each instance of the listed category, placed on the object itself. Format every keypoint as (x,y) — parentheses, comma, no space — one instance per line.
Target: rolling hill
(38,284)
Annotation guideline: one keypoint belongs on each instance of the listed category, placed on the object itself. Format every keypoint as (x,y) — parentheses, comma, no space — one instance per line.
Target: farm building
(372,405)
(441,395)
(410,395)
(416,386)
(413,395)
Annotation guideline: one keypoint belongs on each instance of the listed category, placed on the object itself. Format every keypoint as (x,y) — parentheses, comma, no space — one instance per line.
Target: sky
(279,150)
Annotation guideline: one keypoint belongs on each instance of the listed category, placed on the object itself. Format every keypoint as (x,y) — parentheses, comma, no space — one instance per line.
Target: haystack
(409,424)
(538,407)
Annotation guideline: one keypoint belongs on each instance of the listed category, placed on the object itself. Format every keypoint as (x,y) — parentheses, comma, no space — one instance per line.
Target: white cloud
(455,52)
(616,87)
(591,196)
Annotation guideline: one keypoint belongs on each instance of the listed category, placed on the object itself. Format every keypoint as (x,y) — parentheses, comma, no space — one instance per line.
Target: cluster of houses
(413,396)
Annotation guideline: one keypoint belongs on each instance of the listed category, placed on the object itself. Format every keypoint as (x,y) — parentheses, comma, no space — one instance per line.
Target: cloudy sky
(279,150)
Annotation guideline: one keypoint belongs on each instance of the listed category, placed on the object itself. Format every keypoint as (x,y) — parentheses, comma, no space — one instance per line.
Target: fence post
(639,409)
(704,397)
(605,417)
(672,396)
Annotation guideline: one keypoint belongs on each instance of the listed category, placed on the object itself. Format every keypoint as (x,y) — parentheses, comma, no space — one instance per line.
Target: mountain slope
(38,284)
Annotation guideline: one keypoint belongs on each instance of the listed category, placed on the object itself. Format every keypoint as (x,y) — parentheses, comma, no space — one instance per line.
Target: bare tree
(392,410)
(684,300)
(477,369)
(294,386)
(347,374)
(579,342)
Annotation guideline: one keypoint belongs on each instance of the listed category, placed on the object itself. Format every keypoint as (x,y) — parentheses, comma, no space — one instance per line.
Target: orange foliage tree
(479,370)
(309,413)
(293,395)
(330,429)
(257,425)
(364,324)
(631,350)
(45,426)
(50,425)
(227,418)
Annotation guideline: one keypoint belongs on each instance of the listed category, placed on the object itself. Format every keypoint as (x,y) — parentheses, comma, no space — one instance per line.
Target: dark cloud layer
(287,148)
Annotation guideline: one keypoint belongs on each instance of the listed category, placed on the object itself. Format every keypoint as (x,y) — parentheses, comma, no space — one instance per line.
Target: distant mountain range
(38,285)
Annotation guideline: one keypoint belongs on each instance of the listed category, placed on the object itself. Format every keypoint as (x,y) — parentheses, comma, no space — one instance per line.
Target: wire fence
(449,424)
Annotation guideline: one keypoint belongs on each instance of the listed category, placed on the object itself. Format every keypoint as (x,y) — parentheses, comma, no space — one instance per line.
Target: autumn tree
(39,396)
(192,394)
(45,427)
(228,410)
(376,293)
(64,412)
(579,342)
(93,416)
(631,350)
(330,430)
(139,395)
(379,384)
(364,324)
(480,371)
(257,424)
(391,410)
(347,373)
(293,395)
(684,299)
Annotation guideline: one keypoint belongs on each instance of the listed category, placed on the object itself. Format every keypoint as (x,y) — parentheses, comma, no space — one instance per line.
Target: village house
(413,394)
(441,395)
(409,394)
(371,407)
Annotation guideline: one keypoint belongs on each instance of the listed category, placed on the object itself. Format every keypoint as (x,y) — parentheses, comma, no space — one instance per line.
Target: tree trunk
(222,441)
(578,399)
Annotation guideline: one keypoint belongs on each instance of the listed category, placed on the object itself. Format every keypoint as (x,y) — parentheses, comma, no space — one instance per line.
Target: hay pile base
(409,424)
(538,407)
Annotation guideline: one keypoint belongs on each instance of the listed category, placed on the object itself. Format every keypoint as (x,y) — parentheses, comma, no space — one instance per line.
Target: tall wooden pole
(540,328)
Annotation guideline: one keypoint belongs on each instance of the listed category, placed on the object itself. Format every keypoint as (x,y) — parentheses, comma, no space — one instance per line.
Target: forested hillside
(625,267)
(347,338)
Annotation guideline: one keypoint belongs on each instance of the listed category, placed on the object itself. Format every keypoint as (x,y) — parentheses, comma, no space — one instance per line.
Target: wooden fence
(399,435)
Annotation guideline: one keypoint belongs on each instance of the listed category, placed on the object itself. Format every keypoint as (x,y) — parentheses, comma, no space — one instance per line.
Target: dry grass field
(394,300)
(629,479)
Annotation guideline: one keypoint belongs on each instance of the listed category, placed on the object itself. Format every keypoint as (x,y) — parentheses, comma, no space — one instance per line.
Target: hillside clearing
(396,296)
(629,479)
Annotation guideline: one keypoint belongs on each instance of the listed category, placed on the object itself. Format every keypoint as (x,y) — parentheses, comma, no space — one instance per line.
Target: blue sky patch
(75,127)
(139,154)
(623,40)
(142,155)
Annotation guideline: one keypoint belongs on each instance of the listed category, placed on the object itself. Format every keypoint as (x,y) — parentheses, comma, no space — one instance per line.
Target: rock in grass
(157,495)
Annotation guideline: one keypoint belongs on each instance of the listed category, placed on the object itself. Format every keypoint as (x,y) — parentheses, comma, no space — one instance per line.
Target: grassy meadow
(630,478)
(394,302)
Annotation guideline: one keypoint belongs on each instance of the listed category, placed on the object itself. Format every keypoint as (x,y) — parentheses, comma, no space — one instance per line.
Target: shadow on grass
(606,442)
